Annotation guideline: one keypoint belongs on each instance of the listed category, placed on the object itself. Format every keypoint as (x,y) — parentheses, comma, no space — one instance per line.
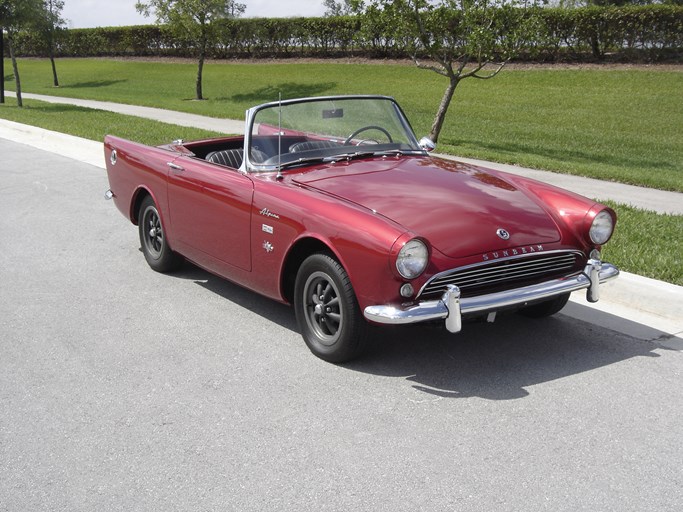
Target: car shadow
(280,314)
(494,361)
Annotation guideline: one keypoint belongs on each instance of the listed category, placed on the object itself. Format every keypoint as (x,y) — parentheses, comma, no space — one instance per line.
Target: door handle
(175,167)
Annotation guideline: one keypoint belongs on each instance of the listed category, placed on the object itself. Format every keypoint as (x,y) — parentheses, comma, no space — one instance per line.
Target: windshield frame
(292,159)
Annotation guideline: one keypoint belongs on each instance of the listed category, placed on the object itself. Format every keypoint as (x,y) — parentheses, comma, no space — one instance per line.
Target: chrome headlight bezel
(412,259)
(601,228)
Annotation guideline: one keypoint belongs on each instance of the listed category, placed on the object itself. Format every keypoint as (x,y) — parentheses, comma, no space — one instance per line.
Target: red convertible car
(332,205)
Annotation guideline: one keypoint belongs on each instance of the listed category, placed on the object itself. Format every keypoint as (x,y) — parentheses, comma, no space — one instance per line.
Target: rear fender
(137,171)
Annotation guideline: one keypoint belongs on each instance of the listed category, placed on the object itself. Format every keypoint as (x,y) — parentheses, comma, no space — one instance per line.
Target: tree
(49,23)
(603,3)
(457,39)
(192,20)
(333,8)
(16,15)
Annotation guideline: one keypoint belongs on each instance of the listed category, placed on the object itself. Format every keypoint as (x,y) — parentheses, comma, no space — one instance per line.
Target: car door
(210,209)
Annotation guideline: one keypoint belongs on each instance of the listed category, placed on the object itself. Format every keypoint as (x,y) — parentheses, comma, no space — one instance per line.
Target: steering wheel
(365,128)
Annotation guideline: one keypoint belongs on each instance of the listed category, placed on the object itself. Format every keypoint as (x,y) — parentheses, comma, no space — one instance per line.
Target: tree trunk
(443,109)
(200,68)
(595,47)
(52,61)
(15,68)
(54,71)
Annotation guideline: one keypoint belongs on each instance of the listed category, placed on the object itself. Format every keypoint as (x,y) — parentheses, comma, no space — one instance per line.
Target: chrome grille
(506,273)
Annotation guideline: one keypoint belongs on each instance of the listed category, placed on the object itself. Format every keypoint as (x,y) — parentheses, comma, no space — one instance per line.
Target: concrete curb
(644,308)
(638,306)
(76,148)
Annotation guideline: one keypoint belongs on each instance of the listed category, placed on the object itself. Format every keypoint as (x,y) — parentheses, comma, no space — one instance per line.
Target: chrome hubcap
(155,236)
(324,314)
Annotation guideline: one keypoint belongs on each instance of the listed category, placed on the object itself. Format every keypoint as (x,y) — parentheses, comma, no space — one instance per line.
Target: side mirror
(427,144)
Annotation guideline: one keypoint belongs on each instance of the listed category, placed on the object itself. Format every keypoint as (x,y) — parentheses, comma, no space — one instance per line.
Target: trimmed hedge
(650,33)
(653,32)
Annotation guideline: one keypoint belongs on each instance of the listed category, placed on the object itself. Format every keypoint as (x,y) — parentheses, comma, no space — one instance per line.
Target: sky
(111,13)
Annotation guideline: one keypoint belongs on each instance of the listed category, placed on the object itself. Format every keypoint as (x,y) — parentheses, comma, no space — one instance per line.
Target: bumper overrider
(452,307)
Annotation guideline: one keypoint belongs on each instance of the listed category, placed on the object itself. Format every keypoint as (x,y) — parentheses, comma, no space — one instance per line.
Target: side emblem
(503,234)
(267,213)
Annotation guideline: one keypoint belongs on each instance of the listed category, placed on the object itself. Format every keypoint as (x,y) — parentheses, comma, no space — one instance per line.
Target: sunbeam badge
(503,234)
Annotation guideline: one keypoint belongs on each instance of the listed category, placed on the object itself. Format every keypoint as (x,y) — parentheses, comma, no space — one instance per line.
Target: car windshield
(298,132)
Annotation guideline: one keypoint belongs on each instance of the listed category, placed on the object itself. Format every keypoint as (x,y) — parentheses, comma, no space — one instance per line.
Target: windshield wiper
(307,160)
(326,159)
(389,152)
(352,156)
(384,152)
(347,156)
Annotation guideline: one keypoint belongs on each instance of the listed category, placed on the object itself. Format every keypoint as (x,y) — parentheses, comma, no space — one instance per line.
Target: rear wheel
(545,308)
(158,254)
(327,310)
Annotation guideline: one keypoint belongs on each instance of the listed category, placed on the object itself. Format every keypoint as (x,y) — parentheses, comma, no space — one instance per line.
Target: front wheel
(545,308)
(327,310)
(158,254)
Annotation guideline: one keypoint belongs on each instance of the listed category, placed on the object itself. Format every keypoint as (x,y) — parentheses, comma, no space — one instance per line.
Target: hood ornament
(505,235)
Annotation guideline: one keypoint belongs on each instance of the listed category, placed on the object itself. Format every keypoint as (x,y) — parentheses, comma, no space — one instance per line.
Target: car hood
(458,208)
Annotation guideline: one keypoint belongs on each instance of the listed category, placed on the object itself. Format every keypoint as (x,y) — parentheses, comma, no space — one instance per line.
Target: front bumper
(452,307)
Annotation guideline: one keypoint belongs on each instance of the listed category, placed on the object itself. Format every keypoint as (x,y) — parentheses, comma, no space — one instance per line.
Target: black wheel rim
(153,235)
(323,308)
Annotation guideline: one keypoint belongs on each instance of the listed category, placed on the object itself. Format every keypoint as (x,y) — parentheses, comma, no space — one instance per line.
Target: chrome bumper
(452,308)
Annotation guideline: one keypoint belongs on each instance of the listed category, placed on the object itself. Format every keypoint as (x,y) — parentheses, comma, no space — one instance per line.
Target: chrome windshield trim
(252,167)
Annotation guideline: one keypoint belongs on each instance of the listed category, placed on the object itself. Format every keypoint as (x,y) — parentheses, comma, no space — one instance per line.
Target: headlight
(601,228)
(412,259)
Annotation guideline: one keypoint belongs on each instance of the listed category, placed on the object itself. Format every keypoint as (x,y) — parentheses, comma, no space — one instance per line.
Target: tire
(327,311)
(545,308)
(158,254)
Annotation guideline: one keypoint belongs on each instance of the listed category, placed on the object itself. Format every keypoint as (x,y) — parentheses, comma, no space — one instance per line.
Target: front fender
(290,223)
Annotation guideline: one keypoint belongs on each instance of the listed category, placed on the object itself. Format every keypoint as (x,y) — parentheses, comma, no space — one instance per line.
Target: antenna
(279,137)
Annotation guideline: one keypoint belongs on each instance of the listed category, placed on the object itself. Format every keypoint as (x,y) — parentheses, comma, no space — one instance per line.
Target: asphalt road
(125,389)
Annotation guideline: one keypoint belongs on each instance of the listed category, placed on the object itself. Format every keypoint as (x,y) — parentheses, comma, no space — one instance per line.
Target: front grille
(505,273)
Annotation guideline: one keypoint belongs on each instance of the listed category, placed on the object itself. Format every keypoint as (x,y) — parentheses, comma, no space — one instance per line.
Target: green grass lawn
(647,244)
(615,124)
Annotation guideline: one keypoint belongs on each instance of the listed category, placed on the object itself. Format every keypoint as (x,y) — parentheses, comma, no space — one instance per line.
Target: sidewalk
(637,306)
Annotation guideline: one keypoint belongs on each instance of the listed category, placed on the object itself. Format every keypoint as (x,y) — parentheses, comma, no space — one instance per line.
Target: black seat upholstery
(229,157)
(313,144)
(234,157)
(257,156)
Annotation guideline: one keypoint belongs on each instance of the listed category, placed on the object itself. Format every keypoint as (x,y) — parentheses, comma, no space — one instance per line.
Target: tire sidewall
(166,260)
(546,308)
(350,337)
